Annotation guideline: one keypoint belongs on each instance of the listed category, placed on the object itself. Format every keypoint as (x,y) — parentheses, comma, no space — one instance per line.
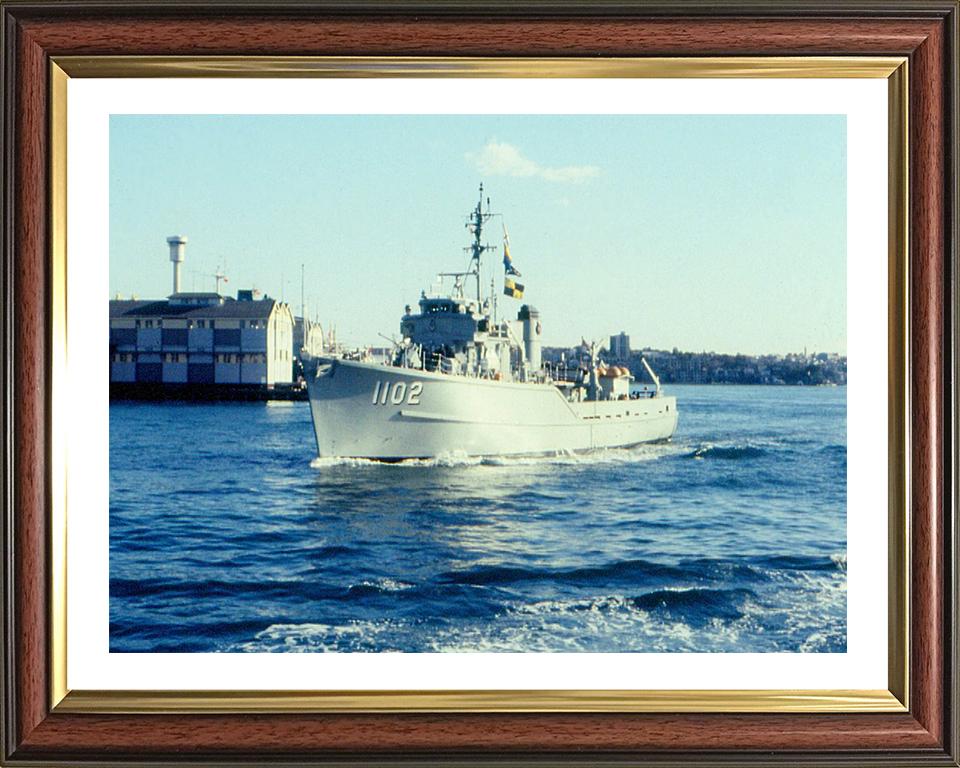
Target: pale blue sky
(717,233)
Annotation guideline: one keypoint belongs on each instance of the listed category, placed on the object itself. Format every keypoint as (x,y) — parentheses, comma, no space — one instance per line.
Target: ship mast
(476,222)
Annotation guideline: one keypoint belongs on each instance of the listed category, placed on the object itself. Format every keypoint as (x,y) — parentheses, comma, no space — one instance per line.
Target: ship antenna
(477,248)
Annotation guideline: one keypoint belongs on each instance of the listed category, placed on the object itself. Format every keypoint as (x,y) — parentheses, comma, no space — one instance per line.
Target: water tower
(176,244)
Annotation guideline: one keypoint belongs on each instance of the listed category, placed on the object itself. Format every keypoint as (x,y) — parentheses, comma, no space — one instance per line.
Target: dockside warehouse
(200,343)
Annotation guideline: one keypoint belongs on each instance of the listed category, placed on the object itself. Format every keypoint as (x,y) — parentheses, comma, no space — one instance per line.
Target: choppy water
(227,534)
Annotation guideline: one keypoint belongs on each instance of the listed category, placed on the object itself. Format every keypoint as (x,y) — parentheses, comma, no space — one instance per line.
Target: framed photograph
(407,555)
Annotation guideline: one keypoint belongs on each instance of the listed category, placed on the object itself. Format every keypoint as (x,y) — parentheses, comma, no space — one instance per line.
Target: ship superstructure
(463,381)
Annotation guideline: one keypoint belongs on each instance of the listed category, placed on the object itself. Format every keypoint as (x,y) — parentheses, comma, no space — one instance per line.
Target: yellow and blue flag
(511,288)
(507,261)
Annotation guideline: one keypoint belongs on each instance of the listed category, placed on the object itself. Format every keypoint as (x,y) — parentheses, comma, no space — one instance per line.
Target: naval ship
(463,382)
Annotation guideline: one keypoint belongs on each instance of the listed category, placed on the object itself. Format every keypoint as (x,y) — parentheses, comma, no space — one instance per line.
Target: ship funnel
(530,316)
(176,244)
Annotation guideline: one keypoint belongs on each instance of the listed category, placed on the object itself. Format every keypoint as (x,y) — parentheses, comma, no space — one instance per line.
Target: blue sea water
(228,534)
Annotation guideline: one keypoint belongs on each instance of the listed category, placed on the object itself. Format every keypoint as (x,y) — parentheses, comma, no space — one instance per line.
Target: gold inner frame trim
(729,701)
(58,372)
(898,383)
(893,69)
(415,66)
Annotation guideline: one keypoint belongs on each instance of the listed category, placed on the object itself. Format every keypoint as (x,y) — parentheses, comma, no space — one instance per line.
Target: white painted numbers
(395,394)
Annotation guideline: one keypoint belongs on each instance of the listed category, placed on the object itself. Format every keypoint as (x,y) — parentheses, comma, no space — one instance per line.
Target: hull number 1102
(396,393)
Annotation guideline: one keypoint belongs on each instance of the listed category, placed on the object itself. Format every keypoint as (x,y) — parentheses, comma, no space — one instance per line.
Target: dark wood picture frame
(33,33)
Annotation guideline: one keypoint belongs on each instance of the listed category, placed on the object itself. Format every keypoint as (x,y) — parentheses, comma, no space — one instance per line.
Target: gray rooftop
(230,309)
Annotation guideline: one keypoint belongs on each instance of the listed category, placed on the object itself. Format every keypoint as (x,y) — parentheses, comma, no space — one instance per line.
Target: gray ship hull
(364,410)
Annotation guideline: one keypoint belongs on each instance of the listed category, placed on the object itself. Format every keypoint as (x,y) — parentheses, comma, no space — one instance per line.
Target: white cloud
(570,173)
(498,159)
(501,159)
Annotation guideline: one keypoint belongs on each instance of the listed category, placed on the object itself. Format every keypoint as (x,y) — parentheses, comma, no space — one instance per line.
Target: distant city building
(620,346)
(654,354)
(676,367)
(307,338)
(200,341)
